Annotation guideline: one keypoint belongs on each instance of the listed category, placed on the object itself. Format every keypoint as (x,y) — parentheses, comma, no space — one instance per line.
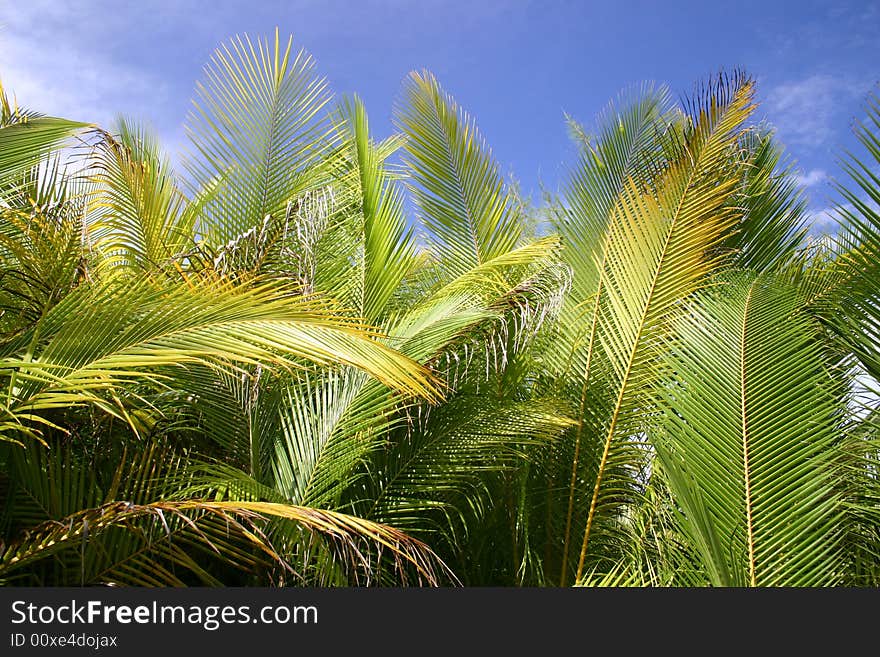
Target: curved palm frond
(242,519)
(89,346)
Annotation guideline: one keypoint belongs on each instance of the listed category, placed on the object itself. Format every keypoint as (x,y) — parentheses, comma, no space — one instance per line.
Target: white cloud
(813,177)
(806,112)
(54,63)
(824,220)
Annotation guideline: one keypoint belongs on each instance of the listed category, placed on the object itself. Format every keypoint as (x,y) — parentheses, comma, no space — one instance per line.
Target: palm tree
(263,372)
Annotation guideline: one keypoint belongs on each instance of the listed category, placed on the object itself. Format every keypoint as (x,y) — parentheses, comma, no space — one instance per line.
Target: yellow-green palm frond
(660,245)
(456,184)
(258,126)
(145,223)
(94,343)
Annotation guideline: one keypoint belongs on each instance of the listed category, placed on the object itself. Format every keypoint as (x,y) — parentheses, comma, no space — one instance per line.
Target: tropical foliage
(261,370)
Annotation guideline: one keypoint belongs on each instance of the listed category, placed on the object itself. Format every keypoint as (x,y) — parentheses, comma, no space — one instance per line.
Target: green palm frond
(26,143)
(752,471)
(856,291)
(658,250)
(92,344)
(324,437)
(628,145)
(388,245)
(145,222)
(773,225)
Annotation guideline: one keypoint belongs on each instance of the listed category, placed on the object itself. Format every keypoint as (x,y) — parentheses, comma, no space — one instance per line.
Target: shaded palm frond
(752,472)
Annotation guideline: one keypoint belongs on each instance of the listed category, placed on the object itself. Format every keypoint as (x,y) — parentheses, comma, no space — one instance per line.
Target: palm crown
(262,372)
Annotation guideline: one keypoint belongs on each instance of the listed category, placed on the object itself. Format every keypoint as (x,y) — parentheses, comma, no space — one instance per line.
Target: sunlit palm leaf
(457,186)
(94,343)
(26,143)
(258,126)
(629,147)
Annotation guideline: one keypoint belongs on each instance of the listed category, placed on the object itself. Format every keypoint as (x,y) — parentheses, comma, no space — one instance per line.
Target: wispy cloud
(824,220)
(811,178)
(54,63)
(807,112)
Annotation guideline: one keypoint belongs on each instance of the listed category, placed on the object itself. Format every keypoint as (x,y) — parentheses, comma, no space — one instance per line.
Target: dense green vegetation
(259,371)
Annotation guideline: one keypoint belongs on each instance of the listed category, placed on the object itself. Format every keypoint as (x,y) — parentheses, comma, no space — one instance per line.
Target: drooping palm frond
(199,521)
(752,471)
(89,346)
(129,525)
(67,482)
(331,423)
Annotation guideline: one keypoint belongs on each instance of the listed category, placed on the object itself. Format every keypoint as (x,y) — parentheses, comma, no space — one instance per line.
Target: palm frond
(855,293)
(658,250)
(456,184)
(752,472)
(388,245)
(774,221)
(26,140)
(145,221)
(257,126)
(92,344)
(244,519)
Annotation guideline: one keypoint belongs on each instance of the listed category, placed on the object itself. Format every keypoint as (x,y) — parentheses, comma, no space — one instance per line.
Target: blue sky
(515,65)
